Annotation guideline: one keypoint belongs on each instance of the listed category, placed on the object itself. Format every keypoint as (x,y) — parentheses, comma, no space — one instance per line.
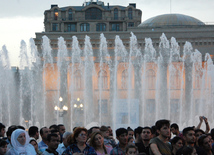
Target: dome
(171,20)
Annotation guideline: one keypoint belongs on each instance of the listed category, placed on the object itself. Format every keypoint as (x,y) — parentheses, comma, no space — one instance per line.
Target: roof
(171,20)
(79,8)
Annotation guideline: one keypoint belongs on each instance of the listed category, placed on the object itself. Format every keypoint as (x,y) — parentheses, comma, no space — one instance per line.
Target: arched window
(101,27)
(150,79)
(78,81)
(130,13)
(102,80)
(115,14)
(84,27)
(70,14)
(124,79)
(175,82)
(93,13)
(56,13)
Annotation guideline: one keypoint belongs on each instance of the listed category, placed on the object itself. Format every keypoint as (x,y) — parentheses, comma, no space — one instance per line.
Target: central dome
(169,20)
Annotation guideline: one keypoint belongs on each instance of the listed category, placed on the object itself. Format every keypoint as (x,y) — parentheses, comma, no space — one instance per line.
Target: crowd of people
(161,139)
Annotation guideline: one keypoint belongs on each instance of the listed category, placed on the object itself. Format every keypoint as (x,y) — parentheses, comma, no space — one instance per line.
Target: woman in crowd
(131,150)
(79,143)
(97,142)
(35,145)
(3,147)
(177,143)
(20,143)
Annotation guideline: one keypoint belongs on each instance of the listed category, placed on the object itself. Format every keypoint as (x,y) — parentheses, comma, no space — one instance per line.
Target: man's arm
(201,120)
(207,125)
(154,149)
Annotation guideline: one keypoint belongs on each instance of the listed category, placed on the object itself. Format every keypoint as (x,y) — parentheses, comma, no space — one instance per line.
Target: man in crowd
(44,134)
(160,144)
(175,130)
(34,132)
(122,137)
(137,133)
(53,142)
(2,130)
(146,135)
(62,147)
(107,140)
(61,129)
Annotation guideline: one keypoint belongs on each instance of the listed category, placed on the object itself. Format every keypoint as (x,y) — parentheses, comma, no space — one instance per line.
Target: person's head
(19,138)
(131,150)
(92,130)
(44,133)
(154,133)
(61,129)
(162,128)
(198,133)
(20,127)
(137,132)
(177,143)
(3,147)
(146,134)
(2,130)
(121,135)
(110,131)
(56,132)
(34,132)
(65,137)
(189,135)
(105,132)
(130,132)
(210,137)
(188,150)
(205,142)
(130,140)
(212,133)
(53,127)
(80,135)
(97,140)
(53,141)
(174,129)
(10,131)
(34,143)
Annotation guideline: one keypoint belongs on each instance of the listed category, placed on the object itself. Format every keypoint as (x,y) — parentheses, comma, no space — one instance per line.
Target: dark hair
(2,142)
(10,130)
(129,129)
(199,130)
(54,131)
(21,127)
(130,138)
(160,123)
(92,141)
(137,130)
(41,130)
(59,125)
(174,125)
(33,130)
(201,140)
(51,135)
(103,128)
(54,126)
(131,146)
(187,150)
(187,129)
(32,139)
(212,133)
(77,132)
(153,129)
(2,126)
(175,140)
(147,127)
(121,131)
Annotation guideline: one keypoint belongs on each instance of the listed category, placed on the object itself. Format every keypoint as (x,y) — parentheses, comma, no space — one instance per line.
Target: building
(94,18)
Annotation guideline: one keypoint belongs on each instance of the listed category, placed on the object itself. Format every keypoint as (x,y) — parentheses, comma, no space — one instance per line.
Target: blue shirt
(61,148)
(42,146)
(74,149)
(117,151)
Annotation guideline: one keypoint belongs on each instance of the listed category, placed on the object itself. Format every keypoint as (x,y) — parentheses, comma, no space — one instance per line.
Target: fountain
(119,87)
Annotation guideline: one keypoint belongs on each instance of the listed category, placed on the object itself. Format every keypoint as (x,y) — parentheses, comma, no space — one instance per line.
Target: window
(101,27)
(78,81)
(71,27)
(130,24)
(54,27)
(124,79)
(84,27)
(56,14)
(70,16)
(93,13)
(130,13)
(150,79)
(115,14)
(115,27)
(102,80)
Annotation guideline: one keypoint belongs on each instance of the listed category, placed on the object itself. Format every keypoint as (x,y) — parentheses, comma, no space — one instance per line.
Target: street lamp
(61,109)
(78,104)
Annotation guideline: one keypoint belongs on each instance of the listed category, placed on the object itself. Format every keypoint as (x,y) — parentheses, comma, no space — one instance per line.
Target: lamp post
(78,112)
(61,110)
